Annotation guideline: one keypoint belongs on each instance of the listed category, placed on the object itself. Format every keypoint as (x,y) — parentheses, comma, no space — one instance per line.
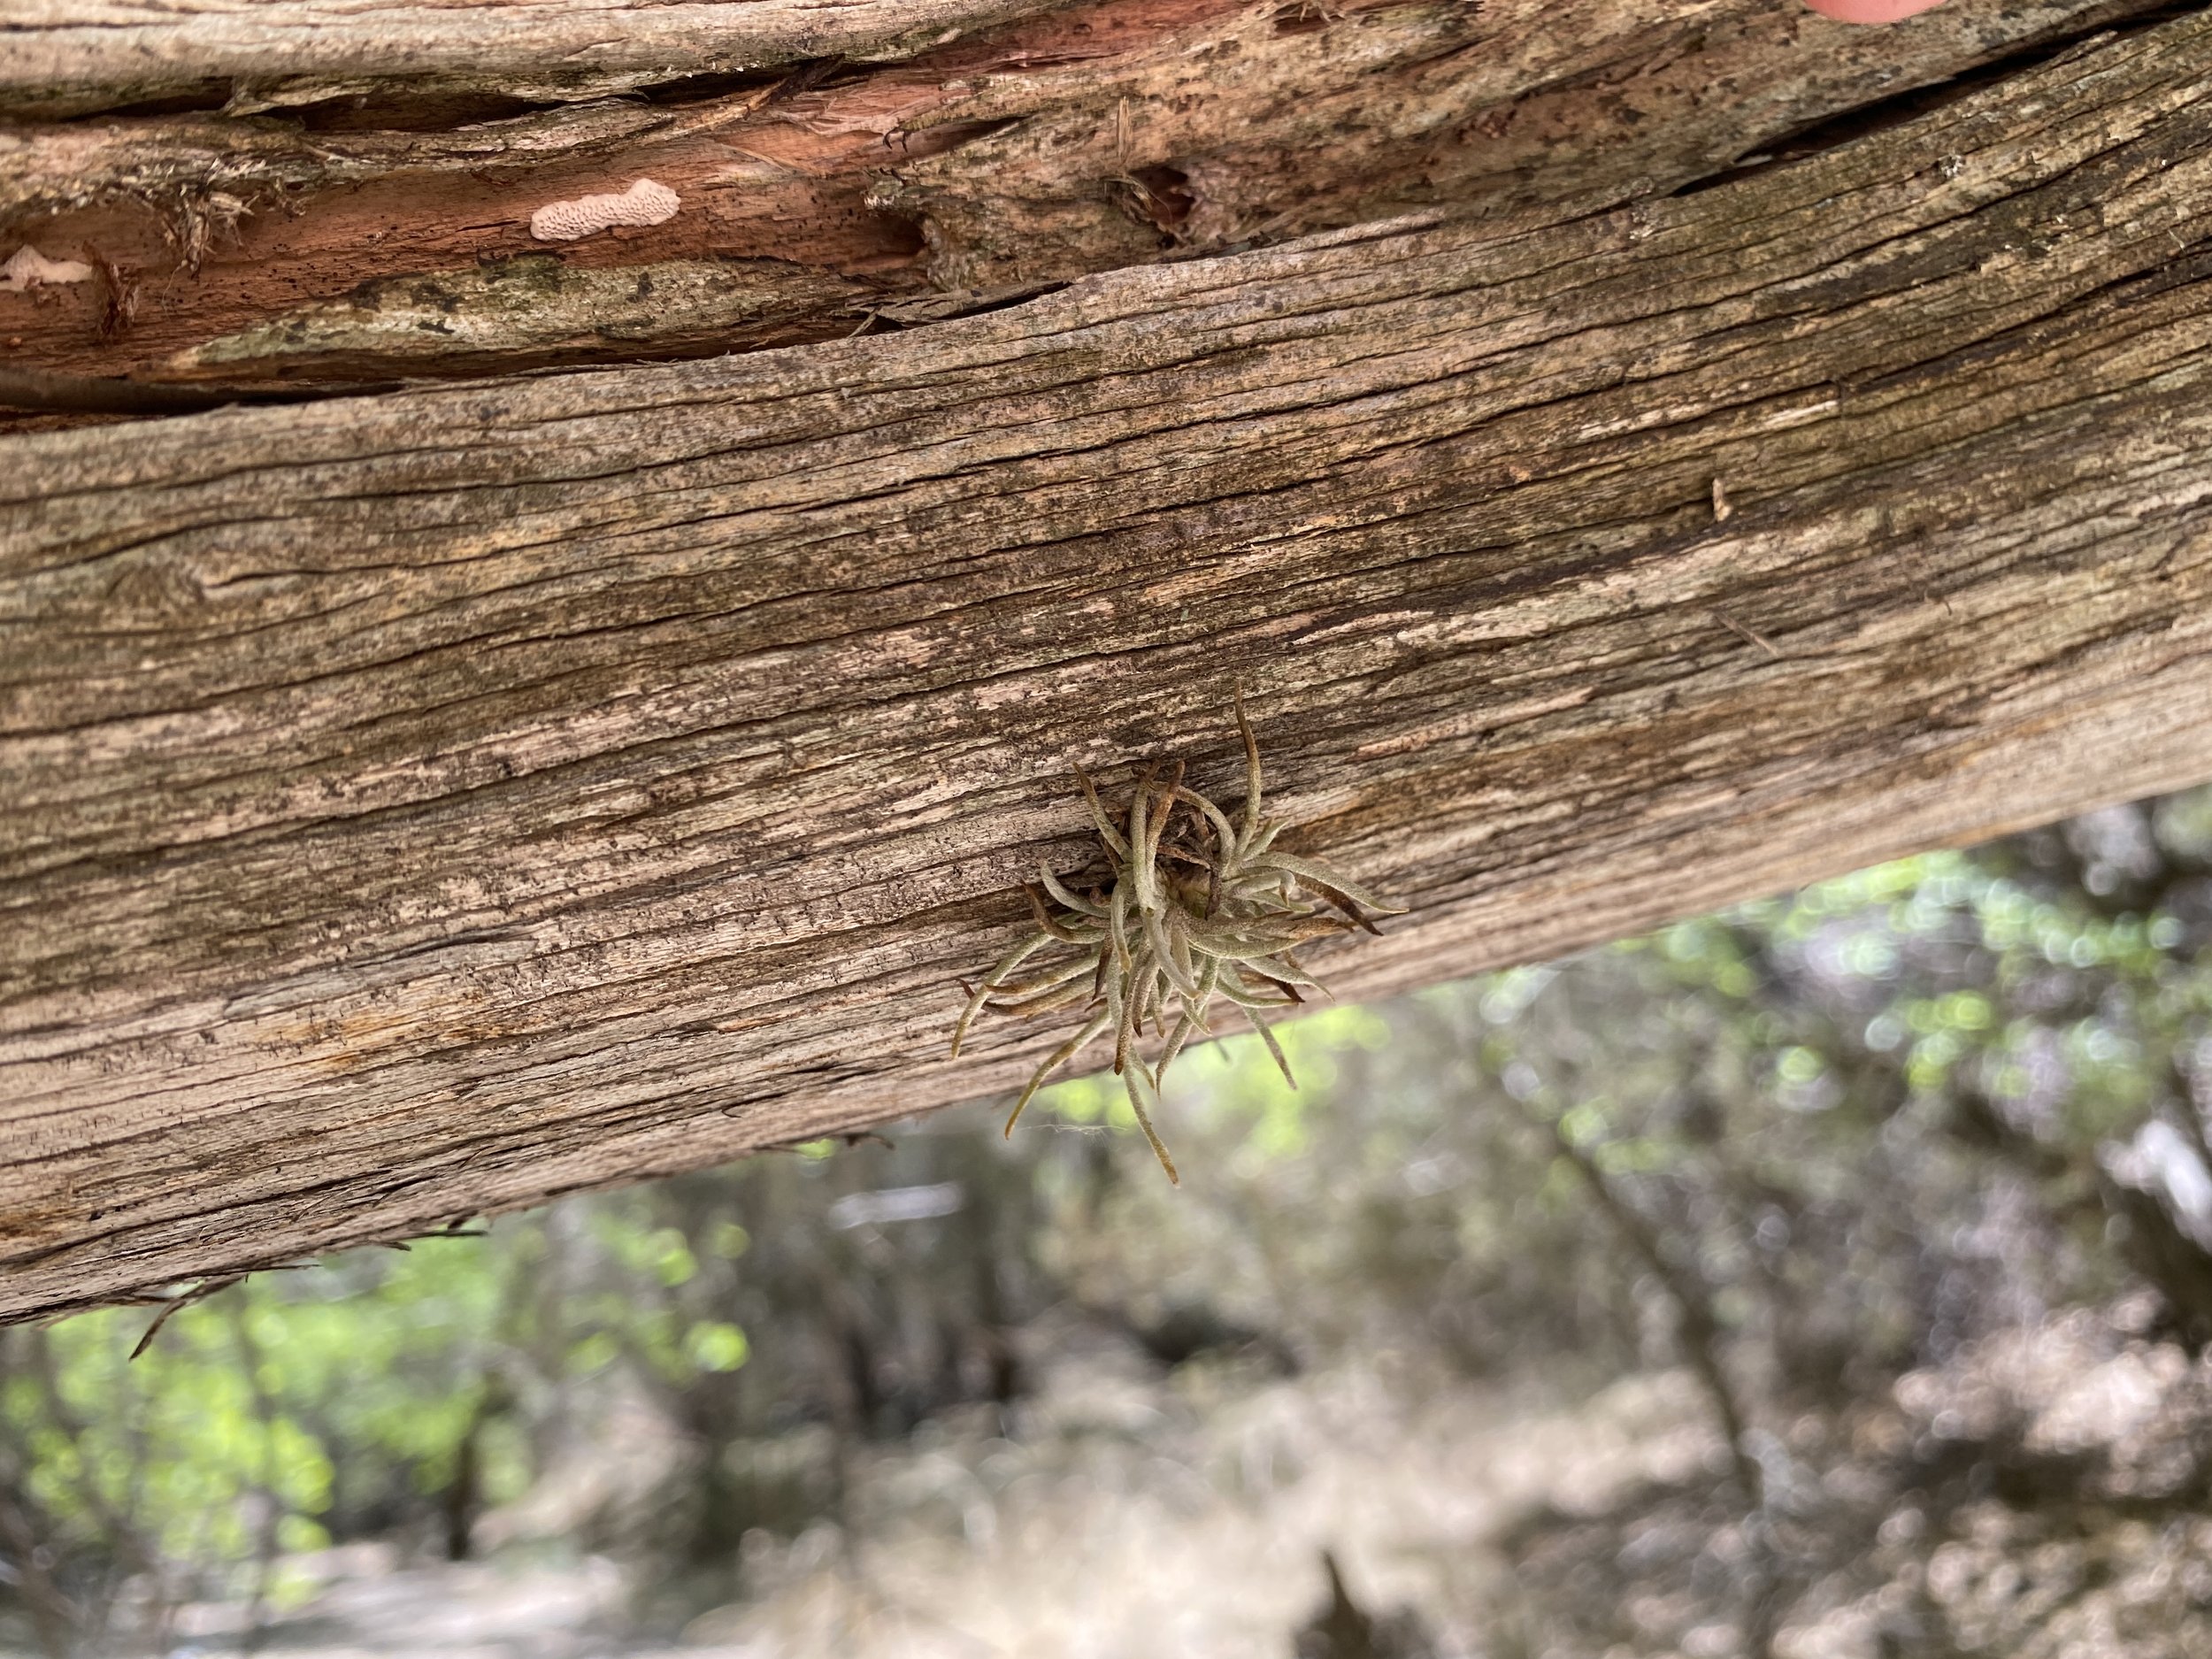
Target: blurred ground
(1125,1511)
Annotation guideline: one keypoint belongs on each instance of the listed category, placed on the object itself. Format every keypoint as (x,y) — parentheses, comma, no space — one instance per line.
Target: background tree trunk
(421,804)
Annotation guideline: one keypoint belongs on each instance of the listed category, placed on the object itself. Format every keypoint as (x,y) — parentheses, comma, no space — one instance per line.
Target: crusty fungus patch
(28,268)
(644,202)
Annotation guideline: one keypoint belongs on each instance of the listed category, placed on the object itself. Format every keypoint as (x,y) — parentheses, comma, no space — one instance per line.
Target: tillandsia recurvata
(1192,908)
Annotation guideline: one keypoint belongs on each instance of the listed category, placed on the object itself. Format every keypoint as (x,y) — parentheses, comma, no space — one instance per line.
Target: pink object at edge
(1871,11)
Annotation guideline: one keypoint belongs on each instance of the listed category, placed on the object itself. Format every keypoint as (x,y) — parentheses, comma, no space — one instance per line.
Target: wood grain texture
(423,805)
(352,244)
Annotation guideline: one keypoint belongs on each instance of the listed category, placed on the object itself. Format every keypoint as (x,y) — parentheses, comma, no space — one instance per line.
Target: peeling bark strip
(424,805)
(1071,140)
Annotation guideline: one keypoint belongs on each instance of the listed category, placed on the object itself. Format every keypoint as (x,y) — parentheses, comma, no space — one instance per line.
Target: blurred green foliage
(1856,1124)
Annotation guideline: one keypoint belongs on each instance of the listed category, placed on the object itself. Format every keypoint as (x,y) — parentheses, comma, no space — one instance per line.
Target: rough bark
(383,232)
(425,804)
(71,56)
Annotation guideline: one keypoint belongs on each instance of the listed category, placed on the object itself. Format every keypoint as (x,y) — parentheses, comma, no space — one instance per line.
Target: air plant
(1191,908)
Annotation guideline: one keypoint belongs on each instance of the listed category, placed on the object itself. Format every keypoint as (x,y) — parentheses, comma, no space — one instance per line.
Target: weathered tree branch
(373,235)
(425,804)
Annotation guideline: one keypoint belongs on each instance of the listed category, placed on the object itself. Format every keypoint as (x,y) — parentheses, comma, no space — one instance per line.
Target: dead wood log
(422,805)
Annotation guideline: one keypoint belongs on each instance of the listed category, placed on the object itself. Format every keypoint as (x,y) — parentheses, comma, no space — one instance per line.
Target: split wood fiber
(423,805)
